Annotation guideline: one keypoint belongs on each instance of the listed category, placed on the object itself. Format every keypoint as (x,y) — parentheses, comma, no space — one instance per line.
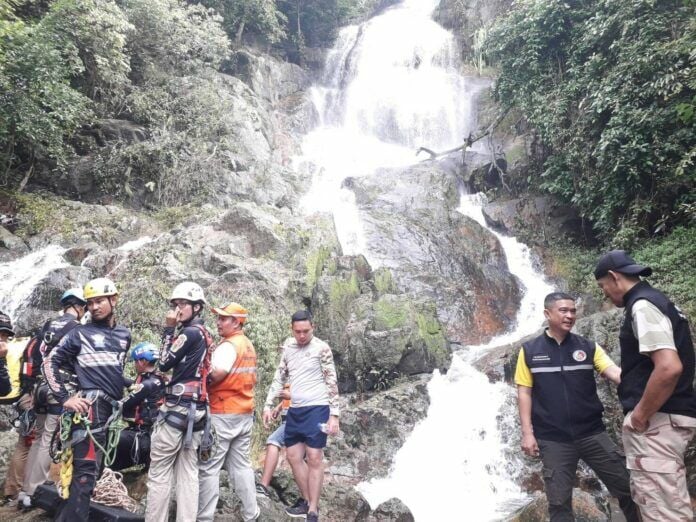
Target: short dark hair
(550,299)
(301,315)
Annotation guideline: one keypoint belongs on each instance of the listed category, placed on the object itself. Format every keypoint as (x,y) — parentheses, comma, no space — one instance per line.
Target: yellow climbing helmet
(100,287)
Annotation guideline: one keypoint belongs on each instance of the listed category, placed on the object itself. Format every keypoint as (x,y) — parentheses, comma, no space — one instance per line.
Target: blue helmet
(145,351)
(73,296)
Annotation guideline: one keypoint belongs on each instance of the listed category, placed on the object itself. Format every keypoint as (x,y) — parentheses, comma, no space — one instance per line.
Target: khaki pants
(170,462)
(233,434)
(15,471)
(656,461)
(39,459)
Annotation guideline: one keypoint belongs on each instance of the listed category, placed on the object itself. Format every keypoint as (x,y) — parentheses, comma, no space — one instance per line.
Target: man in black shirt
(45,406)
(177,435)
(97,352)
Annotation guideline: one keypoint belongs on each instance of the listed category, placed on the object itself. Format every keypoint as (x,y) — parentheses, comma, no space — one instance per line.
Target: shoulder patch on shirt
(579,355)
(180,341)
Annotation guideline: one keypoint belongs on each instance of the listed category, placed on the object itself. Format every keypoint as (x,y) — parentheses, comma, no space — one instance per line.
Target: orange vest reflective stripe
(235,393)
(286,402)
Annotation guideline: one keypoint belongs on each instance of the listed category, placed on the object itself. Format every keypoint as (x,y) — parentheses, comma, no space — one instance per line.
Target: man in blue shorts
(307,364)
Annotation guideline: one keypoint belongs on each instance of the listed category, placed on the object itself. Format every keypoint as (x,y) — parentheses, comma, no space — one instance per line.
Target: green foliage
(99,31)
(670,257)
(39,108)
(259,17)
(672,260)
(610,87)
(173,39)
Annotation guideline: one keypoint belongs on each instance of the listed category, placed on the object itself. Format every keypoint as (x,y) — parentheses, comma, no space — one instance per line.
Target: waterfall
(460,446)
(18,278)
(390,85)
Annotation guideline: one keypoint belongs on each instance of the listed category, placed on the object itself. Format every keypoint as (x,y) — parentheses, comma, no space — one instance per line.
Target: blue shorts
(277,438)
(302,425)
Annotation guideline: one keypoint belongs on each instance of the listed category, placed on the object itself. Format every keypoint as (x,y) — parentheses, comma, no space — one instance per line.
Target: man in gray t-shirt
(307,364)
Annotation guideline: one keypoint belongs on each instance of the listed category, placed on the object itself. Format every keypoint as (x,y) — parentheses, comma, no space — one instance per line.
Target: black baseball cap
(620,261)
(6,323)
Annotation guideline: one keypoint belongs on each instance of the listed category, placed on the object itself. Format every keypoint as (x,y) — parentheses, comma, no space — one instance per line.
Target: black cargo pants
(560,466)
(86,465)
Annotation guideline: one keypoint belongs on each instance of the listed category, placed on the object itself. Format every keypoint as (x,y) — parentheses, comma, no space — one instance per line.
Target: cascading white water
(390,85)
(459,446)
(18,278)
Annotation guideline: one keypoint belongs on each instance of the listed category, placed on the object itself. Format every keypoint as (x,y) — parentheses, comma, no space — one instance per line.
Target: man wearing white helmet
(45,406)
(177,434)
(97,352)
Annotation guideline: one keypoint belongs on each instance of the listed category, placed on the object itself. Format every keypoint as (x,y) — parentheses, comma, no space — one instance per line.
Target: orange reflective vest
(235,393)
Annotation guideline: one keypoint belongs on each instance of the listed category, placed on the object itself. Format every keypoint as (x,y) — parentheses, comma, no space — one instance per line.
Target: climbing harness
(69,437)
(25,422)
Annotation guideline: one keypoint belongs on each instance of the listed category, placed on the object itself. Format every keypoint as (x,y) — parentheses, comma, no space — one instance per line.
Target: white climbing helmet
(190,291)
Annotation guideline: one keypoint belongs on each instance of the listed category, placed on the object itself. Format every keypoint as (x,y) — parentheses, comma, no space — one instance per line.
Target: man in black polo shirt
(561,414)
(656,392)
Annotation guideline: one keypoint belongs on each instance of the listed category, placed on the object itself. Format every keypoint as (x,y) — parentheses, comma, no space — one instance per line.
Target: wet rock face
(413,227)
(586,508)
(377,334)
(547,217)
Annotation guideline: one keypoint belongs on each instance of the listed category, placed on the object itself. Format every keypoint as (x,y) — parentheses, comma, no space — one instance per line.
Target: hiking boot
(262,491)
(299,509)
(312,516)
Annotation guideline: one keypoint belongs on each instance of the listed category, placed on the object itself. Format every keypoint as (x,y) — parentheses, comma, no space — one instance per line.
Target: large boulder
(412,226)
(268,77)
(377,335)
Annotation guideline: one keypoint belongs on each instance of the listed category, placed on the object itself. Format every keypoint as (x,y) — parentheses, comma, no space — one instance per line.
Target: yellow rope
(66,472)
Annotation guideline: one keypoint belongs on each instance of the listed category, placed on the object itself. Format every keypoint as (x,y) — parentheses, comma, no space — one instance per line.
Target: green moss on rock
(390,313)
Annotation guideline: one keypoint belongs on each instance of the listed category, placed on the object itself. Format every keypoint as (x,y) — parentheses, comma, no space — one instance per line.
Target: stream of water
(390,85)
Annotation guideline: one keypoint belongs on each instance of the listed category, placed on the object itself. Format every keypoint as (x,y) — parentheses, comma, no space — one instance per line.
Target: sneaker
(26,504)
(312,516)
(262,491)
(299,509)
(257,514)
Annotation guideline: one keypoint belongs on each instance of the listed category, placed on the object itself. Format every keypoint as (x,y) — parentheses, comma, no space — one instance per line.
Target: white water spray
(18,278)
(390,85)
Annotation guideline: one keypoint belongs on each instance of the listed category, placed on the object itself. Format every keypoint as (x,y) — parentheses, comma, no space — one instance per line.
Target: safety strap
(53,339)
(205,362)
(180,420)
(188,439)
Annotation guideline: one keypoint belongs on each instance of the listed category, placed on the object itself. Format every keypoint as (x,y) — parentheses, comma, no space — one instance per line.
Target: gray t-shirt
(311,373)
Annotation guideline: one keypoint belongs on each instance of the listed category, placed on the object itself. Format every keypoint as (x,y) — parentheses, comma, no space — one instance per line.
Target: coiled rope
(111,491)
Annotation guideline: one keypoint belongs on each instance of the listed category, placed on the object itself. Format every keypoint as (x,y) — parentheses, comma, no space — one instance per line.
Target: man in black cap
(656,390)
(6,332)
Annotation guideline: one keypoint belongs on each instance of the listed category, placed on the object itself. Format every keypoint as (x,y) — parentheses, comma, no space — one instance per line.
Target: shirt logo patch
(579,355)
(541,358)
(98,340)
(180,341)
